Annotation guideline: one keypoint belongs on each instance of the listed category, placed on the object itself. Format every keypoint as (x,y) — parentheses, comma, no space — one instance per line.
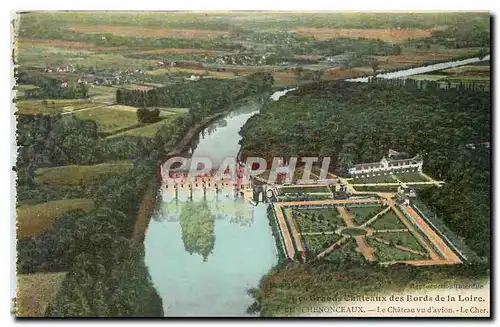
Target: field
(413,57)
(38,218)
(149,130)
(102,94)
(149,32)
(52,106)
(80,175)
(180,51)
(468,68)
(110,119)
(34,292)
(205,73)
(144,131)
(393,35)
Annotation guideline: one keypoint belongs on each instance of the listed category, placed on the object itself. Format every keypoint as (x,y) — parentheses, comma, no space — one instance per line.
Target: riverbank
(146,209)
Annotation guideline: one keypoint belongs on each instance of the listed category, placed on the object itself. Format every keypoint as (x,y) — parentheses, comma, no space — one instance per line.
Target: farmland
(148,32)
(79,174)
(38,218)
(397,35)
(144,131)
(110,119)
(52,106)
(451,77)
(35,292)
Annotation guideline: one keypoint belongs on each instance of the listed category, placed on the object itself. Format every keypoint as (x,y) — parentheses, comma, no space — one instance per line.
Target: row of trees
(424,84)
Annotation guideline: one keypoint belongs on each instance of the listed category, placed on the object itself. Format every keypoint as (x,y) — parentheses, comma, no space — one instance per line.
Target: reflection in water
(222,205)
(197,225)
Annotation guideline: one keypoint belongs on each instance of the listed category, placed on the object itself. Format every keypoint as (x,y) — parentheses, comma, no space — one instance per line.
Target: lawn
(79,174)
(297,189)
(402,238)
(385,252)
(353,231)
(318,220)
(110,119)
(382,188)
(362,213)
(411,177)
(34,292)
(318,243)
(38,218)
(373,180)
(387,221)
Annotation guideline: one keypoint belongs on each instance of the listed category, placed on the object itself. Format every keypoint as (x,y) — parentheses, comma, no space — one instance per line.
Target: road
(433,237)
(363,247)
(289,249)
(295,233)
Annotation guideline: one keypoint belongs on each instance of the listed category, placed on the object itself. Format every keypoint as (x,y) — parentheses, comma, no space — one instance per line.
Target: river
(204,254)
(422,70)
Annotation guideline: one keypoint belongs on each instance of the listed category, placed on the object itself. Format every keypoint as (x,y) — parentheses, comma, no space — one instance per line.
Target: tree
(346,161)
(148,115)
(375,65)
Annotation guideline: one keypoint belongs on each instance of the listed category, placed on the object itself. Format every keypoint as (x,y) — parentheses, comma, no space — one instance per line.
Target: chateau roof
(368,165)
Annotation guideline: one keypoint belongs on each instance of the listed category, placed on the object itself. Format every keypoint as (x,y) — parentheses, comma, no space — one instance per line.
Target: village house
(388,165)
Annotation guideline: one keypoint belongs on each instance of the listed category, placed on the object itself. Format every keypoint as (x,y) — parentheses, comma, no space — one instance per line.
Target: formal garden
(358,233)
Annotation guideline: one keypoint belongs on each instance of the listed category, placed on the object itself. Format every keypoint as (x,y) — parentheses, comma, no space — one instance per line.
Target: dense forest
(359,122)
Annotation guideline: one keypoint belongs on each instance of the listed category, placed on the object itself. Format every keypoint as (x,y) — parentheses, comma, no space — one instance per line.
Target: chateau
(392,164)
